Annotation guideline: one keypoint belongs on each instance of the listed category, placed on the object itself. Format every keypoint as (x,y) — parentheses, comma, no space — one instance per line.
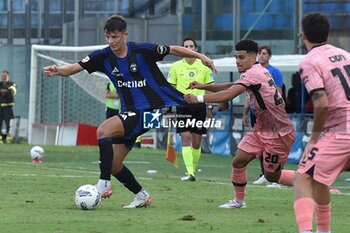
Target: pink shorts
(275,151)
(328,158)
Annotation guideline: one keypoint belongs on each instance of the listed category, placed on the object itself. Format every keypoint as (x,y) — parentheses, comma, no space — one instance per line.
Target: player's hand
(195,85)
(307,150)
(191,99)
(50,70)
(209,63)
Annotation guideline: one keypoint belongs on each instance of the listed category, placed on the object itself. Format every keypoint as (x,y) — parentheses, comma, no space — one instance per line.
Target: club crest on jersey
(86,59)
(133,67)
(191,74)
(162,49)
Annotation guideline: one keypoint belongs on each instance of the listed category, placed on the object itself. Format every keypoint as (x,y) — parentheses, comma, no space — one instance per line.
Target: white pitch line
(212,166)
(59,176)
(283,188)
(140,162)
(39,175)
(144,178)
(136,162)
(71,170)
(82,169)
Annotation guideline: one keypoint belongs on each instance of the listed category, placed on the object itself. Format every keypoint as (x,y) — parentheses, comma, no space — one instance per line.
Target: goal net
(79,98)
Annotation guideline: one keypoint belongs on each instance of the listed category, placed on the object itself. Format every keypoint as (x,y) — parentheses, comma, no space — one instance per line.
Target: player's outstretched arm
(184,52)
(217,97)
(64,70)
(210,87)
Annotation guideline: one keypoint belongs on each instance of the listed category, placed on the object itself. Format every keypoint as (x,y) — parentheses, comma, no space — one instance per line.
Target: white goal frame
(34,71)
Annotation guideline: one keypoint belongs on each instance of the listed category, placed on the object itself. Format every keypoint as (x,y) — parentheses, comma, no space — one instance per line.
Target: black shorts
(111,112)
(133,122)
(197,112)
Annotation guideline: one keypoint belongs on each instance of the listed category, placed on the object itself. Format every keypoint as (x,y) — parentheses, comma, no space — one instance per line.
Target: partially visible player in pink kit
(272,135)
(325,72)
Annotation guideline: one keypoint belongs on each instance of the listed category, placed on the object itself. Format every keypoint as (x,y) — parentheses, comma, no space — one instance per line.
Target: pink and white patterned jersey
(328,67)
(272,120)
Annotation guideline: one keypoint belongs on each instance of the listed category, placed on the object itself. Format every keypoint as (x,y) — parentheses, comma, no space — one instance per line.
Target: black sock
(262,165)
(4,136)
(106,158)
(126,177)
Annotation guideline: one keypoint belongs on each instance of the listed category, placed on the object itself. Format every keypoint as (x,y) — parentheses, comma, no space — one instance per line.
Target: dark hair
(315,27)
(115,23)
(6,71)
(189,38)
(268,49)
(249,45)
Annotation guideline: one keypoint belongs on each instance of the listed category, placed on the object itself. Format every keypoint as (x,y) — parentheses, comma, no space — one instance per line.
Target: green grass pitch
(40,197)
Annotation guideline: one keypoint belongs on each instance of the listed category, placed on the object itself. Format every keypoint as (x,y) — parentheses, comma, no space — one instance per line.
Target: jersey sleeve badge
(162,49)
(86,59)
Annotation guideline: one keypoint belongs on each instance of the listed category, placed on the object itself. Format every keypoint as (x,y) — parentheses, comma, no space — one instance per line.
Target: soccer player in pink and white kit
(273,133)
(325,72)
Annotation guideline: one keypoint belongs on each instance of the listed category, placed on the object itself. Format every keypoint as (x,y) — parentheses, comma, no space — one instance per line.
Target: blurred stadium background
(216,25)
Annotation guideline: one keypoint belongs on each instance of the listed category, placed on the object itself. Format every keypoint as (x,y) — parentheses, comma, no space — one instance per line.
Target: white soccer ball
(37,152)
(87,197)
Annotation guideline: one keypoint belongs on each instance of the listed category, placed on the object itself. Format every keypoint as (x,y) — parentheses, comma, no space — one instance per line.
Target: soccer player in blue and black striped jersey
(132,69)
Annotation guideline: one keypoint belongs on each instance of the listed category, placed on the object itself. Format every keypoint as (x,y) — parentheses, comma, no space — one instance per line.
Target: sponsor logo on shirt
(131,84)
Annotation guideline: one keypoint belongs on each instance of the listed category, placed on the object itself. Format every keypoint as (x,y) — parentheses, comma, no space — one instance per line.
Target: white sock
(142,194)
(103,184)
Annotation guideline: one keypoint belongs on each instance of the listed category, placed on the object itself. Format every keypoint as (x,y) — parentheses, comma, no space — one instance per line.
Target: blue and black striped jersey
(137,78)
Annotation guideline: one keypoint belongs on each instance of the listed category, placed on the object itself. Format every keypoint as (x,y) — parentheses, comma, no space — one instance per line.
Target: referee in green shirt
(113,105)
(181,74)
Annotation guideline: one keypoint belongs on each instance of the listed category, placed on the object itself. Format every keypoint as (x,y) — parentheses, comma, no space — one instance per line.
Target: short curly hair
(249,45)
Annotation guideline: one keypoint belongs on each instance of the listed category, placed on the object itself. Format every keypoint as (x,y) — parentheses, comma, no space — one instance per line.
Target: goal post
(78,98)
